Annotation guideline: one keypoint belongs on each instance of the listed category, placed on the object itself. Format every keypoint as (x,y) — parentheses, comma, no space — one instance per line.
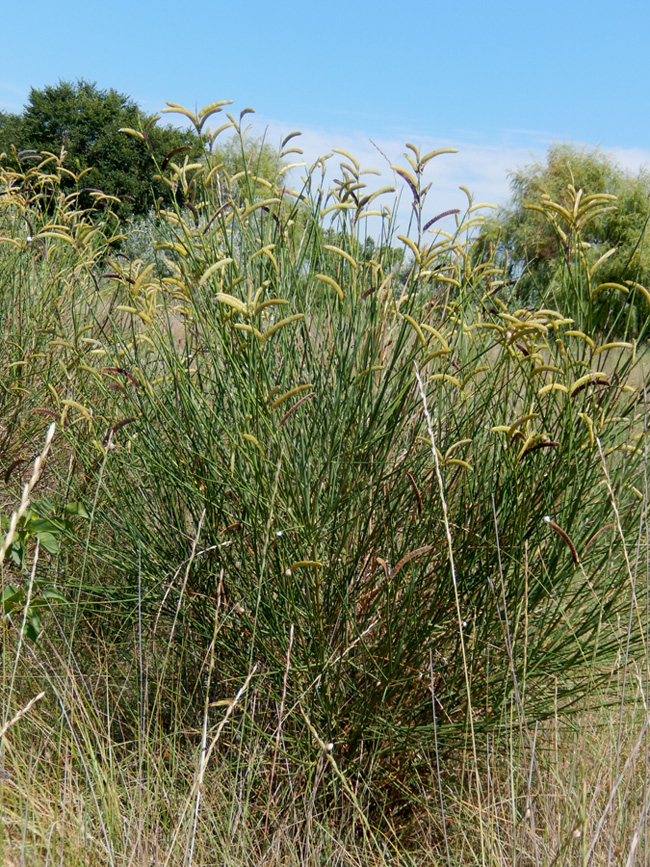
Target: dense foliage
(536,253)
(83,121)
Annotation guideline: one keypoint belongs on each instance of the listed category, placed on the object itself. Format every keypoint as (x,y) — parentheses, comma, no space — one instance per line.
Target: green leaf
(49,542)
(76,509)
(33,627)
(11,597)
(53,595)
(18,554)
(43,525)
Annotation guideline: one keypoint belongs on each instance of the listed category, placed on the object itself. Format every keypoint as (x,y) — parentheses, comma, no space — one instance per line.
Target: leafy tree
(10,130)
(533,250)
(249,159)
(85,121)
(251,169)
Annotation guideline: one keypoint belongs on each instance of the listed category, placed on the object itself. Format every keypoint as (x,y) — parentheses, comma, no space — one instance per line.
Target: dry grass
(573,791)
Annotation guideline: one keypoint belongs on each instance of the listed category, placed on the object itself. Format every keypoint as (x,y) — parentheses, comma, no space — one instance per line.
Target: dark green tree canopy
(85,121)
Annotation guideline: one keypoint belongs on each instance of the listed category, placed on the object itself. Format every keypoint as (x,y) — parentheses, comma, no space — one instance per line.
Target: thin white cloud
(482,167)
(631,159)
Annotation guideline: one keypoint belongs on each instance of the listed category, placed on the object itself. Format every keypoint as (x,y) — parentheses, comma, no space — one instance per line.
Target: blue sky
(500,81)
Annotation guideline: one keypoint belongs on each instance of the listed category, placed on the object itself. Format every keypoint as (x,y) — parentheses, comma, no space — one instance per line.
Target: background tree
(10,130)
(531,248)
(85,121)
(247,160)
(253,169)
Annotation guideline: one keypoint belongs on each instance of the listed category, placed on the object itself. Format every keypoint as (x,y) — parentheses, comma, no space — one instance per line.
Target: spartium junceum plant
(349,469)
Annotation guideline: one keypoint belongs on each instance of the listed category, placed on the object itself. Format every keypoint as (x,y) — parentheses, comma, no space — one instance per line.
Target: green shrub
(251,433)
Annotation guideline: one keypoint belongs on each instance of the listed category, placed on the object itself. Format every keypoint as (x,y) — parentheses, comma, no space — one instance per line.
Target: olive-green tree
(534,253)
(249,160)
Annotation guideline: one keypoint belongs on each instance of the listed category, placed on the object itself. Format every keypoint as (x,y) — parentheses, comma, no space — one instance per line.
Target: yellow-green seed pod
(582,336)
(618,344)
(251,439)
(339,252)
(521,420)
(586,380)
(278,325)
(291,393)
(217,266)
(412,247)
(553,386)
(330,282)
(415,325)
(231,301)
(446,377)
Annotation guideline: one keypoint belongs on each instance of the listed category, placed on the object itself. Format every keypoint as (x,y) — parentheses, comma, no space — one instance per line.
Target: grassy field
(315,550)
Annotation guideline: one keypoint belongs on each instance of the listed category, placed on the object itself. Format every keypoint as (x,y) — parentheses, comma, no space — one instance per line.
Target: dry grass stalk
(27,490)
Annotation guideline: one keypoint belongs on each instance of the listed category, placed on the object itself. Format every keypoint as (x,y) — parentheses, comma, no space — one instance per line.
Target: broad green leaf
(76,509)
(49,542)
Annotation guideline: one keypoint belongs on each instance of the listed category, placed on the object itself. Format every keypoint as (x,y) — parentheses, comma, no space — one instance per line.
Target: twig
(29,487)
(459,616)
(21,713)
